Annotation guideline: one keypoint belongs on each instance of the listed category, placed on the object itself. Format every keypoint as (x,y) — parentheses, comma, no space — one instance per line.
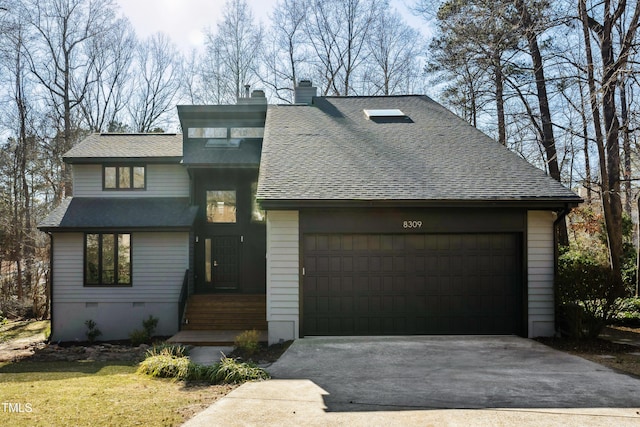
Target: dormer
(224,136)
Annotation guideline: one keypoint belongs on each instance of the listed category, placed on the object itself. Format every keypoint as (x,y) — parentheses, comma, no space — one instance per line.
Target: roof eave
(56,229)
(533,203)
(120,160)
(221,165)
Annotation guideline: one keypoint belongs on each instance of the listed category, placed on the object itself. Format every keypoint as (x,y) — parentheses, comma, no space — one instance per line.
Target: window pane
(257,214)
(108,258)
(221,206)
(207,260)
(124,259)
(92,260)
(138,177)
(125,177)
(109,177)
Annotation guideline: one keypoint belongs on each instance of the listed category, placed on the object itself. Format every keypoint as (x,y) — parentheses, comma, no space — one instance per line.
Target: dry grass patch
(24,329)
(97,393)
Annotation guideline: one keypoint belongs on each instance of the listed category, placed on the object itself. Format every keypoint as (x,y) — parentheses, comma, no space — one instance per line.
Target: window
(221,206)
(124,177)
(257,214)
(107,260)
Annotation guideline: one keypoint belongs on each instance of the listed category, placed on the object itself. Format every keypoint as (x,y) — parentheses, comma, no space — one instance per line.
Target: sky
(184,20)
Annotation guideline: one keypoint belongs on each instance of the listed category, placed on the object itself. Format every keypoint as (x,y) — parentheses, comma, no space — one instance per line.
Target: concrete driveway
(421,380)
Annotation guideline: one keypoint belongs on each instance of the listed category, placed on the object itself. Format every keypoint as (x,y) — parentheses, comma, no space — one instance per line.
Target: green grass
(97,394)
(24,329)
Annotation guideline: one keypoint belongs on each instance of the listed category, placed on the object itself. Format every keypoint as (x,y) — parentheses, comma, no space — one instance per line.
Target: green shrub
(141,336)
(587,299)
(629,314)
(167,350)
(149,325)
(138,336)
(165,366)
(247,342)
(230,371)
(92,331)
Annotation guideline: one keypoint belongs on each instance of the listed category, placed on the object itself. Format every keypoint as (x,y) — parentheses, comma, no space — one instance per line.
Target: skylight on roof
(392,115)
(383,113)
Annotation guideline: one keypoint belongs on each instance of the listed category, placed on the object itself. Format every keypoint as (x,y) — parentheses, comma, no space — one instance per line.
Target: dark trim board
(366,272)
(529,204)
(413,220)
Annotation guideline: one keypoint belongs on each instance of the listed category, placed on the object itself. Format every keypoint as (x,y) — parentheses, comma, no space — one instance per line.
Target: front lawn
(64,393)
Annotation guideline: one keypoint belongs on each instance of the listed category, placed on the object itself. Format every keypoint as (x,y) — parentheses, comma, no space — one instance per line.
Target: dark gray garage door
(366,284)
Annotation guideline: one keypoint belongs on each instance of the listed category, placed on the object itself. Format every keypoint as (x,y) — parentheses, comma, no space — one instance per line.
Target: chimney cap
(258,93)
(304,83)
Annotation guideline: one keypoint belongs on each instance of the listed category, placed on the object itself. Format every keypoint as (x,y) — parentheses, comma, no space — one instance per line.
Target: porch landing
(209,338)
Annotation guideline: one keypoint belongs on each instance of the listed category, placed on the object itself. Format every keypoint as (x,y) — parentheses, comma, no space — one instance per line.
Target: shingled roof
(165,147)
(331,151)
(88,213)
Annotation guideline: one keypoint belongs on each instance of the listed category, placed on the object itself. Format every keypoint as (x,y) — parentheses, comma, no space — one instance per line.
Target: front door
(221,263)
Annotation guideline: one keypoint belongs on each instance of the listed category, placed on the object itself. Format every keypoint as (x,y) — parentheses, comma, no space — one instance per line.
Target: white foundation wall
(540,273)
(283,276)
(159,261)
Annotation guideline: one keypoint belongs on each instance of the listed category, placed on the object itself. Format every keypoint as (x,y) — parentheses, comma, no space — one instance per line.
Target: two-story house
(331,216)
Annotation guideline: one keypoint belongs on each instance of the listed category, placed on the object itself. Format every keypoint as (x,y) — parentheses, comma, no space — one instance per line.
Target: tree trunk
(499,82)
(626,145)
(608,146)
(587,161)
(548,140)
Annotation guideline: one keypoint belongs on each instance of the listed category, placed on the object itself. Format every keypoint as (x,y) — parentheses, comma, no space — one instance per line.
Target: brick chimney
(305,92)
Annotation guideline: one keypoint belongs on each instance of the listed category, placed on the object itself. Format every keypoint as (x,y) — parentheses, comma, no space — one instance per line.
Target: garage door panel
(411,284)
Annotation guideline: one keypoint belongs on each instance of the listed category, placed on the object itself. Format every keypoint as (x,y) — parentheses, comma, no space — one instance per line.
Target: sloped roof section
(87,213)
(118,147)
(330,151)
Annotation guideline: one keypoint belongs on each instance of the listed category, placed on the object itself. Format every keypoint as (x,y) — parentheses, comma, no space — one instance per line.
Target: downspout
(50,286)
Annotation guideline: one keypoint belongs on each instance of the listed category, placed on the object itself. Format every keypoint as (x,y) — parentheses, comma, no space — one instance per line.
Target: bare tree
(337,31)
(108,96)
(395,48)
(285,56)
(232,50)
(60,58)
(156,84)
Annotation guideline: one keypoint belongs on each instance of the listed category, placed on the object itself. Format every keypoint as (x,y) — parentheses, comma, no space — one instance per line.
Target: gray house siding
(283,308)
(159,262)
(540,272)
(163,180)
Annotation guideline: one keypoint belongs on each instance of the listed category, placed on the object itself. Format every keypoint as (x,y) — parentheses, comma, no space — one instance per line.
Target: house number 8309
(412,224)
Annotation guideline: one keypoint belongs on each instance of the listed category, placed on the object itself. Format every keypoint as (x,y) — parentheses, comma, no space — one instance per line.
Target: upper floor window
(124,178)
(107,259)
(221,206)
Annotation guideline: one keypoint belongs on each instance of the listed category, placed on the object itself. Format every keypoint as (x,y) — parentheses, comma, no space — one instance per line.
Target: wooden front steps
(225,312)
(210,338)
